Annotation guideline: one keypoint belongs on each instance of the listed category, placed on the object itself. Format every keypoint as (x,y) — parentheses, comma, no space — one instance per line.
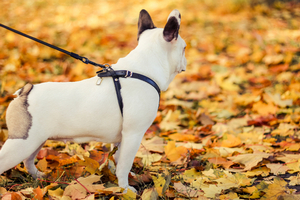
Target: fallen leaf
(155,144)
(56,193)
(230,141)
(264,109)
(276,99)
(91,165)
(150,193)
(277,169)
(294,180)
(275,190)
(42,164)
(38,193)
(221,161)
(186,190)
(173,153)
(211,191)
(130,195)
(249,160)
(147,157)
(261,171)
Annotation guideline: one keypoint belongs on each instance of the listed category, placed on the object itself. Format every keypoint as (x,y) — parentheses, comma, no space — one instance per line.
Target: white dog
(83,111)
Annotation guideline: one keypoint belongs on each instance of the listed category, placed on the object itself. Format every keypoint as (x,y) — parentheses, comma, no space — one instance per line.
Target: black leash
(74,55)
(107,71)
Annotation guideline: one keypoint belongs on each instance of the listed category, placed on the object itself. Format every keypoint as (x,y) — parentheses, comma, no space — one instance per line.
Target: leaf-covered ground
(227,128)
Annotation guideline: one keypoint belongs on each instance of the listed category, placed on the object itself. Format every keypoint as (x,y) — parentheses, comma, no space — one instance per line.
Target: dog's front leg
(128,149)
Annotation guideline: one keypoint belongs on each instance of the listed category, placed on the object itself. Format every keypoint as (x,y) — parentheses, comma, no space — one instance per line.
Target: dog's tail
(24,90)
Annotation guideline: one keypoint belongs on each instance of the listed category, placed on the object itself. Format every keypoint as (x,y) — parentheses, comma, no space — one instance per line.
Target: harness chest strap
(109,72)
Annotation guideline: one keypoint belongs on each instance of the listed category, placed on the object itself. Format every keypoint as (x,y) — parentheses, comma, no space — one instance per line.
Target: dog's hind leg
(29,164)
(15,151)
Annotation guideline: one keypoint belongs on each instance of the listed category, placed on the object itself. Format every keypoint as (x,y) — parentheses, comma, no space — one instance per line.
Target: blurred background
(234,47)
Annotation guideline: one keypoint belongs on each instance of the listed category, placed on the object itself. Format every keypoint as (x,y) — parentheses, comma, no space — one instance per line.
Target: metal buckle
(128,74)
(99,81)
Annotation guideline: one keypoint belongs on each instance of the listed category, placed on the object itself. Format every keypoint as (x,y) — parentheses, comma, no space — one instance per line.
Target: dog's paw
(39,175)
(131,188)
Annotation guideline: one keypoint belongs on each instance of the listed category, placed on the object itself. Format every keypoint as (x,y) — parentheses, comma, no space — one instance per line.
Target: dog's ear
(145,22)
(172,27)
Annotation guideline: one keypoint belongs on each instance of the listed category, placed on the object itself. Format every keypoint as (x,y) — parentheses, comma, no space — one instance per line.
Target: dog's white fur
(83,111)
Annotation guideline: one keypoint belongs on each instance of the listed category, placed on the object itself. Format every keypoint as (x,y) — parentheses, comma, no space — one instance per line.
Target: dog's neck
(152,64)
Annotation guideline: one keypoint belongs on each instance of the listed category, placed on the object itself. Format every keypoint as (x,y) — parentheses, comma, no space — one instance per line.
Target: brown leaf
(249,160)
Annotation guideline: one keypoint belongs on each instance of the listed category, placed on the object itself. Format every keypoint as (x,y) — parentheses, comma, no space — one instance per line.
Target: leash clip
(128,74)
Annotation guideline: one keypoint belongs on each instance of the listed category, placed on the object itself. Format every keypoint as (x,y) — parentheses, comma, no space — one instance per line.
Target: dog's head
(168,38)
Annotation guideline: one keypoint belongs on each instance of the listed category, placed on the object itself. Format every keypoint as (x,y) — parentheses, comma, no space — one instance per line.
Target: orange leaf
(230,141)
(42,164)
(264,109)
(38,194)
(173,153)
(182,137)
(15,196)
(221,161)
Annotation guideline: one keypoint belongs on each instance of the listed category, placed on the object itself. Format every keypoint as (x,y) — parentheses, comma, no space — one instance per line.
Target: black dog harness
(109,72)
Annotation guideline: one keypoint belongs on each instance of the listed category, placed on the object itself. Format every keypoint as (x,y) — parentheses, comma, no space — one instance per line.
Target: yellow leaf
(275,190)
(294,147)
(2,191)
(249,190)
(294,166)
(129,195)
(211,191)
(91,165)
(263,171)
(190,175)
(234,180)
(159,183)
(56,193)
(231,196)
(3,134)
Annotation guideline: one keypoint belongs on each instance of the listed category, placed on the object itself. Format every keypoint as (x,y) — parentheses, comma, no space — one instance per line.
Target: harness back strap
(109,72)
